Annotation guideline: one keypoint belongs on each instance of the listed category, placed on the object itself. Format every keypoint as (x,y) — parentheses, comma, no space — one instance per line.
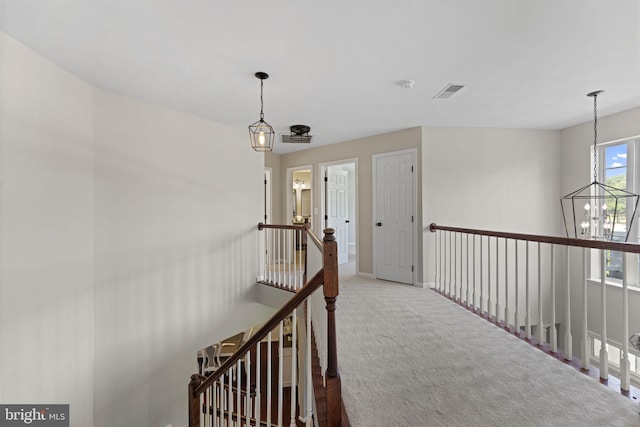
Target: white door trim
(268,196)
(288,214)
(322,168)
(374,158)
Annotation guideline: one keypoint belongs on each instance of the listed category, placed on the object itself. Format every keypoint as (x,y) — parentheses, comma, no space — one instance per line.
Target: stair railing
(249,388)
(513,280)
(283,263)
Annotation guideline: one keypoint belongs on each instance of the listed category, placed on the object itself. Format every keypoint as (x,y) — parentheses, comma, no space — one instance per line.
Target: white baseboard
(366,275)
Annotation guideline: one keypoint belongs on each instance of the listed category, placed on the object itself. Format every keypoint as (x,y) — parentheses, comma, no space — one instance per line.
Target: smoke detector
(299,134)
(450,90)
(406,84)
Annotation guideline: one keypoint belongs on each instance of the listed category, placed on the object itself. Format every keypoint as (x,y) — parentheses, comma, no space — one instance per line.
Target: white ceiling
(334,65)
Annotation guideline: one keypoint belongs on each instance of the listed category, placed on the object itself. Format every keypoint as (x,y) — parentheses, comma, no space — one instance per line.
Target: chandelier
(261,132)
(598,211)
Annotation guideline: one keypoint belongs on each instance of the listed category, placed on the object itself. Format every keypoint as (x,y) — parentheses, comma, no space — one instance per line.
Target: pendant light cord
(261,101)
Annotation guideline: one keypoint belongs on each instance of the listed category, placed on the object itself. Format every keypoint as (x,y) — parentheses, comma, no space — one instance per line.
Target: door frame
(322,169)
(374,159)
(289,186)
(268,195)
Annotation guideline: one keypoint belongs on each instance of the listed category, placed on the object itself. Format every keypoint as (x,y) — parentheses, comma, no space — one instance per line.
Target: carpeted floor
(409,357)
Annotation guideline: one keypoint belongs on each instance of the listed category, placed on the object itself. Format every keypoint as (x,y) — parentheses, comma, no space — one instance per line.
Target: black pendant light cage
(598,211)
(261,133)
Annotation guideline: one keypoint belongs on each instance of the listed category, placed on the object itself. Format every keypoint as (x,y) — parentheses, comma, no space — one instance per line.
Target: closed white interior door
(337,209)
(394,216)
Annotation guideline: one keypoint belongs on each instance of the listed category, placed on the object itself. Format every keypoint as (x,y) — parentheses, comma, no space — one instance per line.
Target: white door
(337,209)
(393,216)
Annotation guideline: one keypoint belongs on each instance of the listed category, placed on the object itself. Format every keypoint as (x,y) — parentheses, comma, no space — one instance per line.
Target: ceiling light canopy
(261,133)
(299,134)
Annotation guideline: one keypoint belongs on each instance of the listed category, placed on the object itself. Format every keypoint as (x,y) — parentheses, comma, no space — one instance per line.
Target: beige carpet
(409,357)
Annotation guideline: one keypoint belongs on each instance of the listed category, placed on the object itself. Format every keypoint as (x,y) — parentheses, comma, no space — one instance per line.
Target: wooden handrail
(566,241)
(306,227)
(262,226)
(300,296)
(314,238)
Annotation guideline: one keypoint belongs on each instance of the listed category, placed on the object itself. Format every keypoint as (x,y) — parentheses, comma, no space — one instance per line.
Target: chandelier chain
(595,138)
(261,101)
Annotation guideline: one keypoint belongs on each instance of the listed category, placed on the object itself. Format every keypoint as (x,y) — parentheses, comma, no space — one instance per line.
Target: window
(614,159)
(616,164)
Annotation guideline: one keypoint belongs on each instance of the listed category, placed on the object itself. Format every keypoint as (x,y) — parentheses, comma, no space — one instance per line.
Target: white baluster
(229,396)
(474,273)
(247,399)
(540,331)
(527,306)
(269,379)
(467,298)
(553,329)
(238,393)
(280,256)
(625,376)
(258,398)
(280,372)
(455,264)
(435,262)
(294,366)
(604,354)
(489,302)
(584,345)
(442,278)
(460,284)
(568,339)
(450,258)
(516,316)
(507,325)
(497,285)
(309,373)
(481,280)
(287,249)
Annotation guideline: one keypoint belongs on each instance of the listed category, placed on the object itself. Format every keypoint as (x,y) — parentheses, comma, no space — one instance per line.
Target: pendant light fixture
(598,211)
(261,132)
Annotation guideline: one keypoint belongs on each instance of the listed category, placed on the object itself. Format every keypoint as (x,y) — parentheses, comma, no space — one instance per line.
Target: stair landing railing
(249,388)
(513,280)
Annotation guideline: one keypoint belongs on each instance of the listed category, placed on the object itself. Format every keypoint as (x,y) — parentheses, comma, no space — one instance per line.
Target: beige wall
(46,223)
(363,149)
(492,179)
(123,246)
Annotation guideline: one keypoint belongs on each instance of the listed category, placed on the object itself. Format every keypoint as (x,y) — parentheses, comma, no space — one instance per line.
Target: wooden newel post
(334,396)
(194,401)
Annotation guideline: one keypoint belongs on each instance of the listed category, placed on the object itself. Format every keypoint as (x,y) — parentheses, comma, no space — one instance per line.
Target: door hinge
(411,168)
(412,268)
(411,218)
(326,179)
(326,217)
(265,182)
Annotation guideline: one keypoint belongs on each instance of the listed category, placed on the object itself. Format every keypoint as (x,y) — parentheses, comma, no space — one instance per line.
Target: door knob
(347,221)
(379,224)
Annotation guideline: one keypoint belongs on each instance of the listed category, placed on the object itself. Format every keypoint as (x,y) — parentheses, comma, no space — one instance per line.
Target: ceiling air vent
(299,134)
(448,91)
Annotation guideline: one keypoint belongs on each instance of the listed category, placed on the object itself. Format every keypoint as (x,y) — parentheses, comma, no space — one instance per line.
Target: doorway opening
(300,195)
(339,205)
